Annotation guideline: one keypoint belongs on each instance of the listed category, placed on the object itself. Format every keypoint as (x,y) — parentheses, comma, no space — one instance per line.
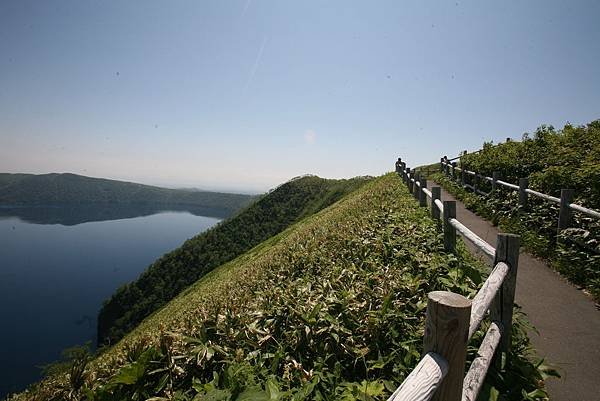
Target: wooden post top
(449,299)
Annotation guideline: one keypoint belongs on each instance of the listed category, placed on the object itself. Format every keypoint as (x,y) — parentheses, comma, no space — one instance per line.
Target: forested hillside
(173,272)
(330,309)
(51,189)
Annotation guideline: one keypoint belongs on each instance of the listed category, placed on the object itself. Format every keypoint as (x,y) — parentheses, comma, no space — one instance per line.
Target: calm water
(55,273)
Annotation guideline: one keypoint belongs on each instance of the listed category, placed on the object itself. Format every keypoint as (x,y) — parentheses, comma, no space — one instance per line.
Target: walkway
(567,320)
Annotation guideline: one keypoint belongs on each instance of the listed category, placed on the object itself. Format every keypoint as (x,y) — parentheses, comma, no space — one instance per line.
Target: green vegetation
(332,308)
(567,158)
(175,271)
(51,189)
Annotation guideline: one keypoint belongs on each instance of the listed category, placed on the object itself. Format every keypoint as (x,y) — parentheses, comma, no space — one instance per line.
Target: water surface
(54,277)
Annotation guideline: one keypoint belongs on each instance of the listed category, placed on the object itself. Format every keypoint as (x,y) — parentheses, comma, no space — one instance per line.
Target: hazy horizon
(151,183)
(241,96)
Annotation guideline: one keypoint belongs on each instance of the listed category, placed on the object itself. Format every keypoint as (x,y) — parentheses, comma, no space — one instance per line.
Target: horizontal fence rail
(450,169)
(476,374)
(424,380)
(479,242)
(453,319)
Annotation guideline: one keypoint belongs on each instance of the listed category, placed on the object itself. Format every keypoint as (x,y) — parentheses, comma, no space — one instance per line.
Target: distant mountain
(53,189)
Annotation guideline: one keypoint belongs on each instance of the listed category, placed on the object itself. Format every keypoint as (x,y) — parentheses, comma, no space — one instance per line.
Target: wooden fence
(565,218)
(451,319)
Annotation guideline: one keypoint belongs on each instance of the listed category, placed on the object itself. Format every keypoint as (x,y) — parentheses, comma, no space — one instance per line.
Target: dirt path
(567,320)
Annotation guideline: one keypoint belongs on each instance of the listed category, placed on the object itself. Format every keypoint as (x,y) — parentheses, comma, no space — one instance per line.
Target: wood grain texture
(486,295)
(478,370)
(446,331)
(423,381)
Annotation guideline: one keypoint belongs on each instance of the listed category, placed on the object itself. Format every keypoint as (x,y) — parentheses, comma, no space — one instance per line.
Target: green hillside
(173,272)
(50,189)
(552,160)
(332,308)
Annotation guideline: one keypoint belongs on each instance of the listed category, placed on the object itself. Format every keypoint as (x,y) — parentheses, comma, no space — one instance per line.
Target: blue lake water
(55,273)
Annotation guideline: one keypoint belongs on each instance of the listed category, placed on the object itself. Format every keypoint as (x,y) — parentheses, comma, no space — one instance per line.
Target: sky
(243,95)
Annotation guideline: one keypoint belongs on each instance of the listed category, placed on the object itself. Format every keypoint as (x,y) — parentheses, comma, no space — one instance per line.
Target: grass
(164,279)
(332,308)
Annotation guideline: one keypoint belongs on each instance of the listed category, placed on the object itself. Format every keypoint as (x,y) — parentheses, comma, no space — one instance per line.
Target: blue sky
(243,95)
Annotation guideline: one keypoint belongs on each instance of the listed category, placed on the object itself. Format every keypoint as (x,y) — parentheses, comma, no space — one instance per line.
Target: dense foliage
(51,189)
(568,158)
(173,272)
(330,309)
(552,159)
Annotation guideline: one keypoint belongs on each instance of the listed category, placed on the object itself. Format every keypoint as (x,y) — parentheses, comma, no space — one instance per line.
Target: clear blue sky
(247,94)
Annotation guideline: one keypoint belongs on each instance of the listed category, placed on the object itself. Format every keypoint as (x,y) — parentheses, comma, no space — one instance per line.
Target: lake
(57,266)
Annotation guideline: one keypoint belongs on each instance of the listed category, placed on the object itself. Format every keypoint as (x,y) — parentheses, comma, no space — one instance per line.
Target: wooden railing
(565,218)
(452,319)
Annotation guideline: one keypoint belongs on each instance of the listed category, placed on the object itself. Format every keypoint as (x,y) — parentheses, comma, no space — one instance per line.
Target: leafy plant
(176,270)
(332,308)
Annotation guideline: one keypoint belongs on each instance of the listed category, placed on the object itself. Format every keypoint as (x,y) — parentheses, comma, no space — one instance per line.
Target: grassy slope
(176,270)
(331,308)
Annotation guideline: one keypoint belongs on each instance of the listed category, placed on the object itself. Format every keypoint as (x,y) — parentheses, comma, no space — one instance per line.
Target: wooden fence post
(416,187)
(422,194)
(403,168)
(565,214)
(449,230)
(495,176)
(436,193)
(507,251)
(454,171)
(441,164)
(408,181)
(398,165)
(446,333)
(523,184)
